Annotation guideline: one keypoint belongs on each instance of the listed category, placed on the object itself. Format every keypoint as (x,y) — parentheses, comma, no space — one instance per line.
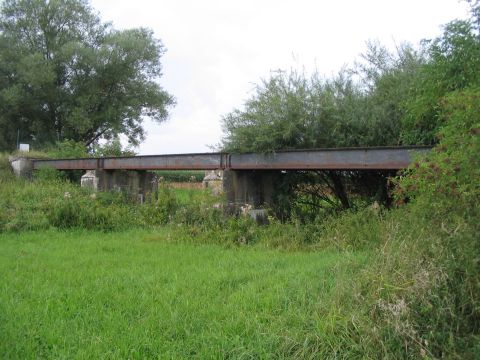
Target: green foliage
(419,297)
(52,201)
(452,170)
(85,213)
(453,65)
(67,149)
(6,171)
(445,193)
(290,111)
(240,231)
(415,295)
(387,79)
(66,75)
(181,175)
(48,174)
(112,148)
(359,107)
(160,207)
(203,212)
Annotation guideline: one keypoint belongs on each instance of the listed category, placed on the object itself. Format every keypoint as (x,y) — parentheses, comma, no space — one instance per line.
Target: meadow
(139,294)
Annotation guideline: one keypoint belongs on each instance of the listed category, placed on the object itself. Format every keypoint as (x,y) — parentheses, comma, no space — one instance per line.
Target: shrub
(420,297)
(445,194)
(181,175)
(6,172)
(160,207)
(67,149)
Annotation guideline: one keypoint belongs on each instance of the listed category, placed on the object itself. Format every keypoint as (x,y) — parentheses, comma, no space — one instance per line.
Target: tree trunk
(339,188)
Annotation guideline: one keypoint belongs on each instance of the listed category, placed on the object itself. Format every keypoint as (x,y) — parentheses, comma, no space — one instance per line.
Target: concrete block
(22,166)
(213,180)
(90,180)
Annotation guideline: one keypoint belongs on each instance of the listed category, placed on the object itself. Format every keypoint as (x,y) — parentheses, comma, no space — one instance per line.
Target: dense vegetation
(367,282)
(386,99)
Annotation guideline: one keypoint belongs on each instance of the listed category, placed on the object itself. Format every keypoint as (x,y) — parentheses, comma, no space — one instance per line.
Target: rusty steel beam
(66,164)
(208,161)
(375,158)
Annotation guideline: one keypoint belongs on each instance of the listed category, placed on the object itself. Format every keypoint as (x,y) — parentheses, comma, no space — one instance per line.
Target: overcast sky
(217,50)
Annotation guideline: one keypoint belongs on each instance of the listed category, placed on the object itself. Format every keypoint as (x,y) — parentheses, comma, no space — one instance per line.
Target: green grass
(189,196)
(138,294)
(181,175)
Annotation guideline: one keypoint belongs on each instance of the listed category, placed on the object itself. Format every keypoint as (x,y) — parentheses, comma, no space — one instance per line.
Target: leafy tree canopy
(362,106)
(453,65)
(386,99)
(66,75)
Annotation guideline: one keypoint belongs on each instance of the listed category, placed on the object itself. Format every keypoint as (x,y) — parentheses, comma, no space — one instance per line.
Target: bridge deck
(373,158)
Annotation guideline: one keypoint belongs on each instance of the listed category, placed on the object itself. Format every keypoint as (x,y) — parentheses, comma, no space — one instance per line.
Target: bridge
(247,178)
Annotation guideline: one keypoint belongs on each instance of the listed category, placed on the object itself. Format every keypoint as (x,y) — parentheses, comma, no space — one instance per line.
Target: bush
(445,194)
(181,175)
(160,208)
(202,209)
(67,149)
(48,174)
(420,297)
(88,214)
(50,201)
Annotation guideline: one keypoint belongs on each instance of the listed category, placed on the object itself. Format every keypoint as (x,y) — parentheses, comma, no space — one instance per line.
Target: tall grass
(136,295)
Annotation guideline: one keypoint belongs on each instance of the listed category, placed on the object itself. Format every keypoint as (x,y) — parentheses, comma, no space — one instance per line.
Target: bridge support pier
(251,187)
(138,183)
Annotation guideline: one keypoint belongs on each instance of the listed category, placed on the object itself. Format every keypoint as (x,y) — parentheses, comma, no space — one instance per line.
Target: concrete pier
(135,182)
(249,187)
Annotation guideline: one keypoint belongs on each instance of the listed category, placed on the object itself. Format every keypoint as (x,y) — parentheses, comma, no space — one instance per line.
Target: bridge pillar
(250,187)
(138,183)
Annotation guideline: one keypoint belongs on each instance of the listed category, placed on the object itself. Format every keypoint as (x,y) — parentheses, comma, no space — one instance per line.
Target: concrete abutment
(22,166)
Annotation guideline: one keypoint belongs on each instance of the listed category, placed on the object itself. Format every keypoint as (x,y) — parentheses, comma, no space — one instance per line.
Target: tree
(66,75)
(291,111)
(358,107)
(362,106)
(387,79)
(453,65)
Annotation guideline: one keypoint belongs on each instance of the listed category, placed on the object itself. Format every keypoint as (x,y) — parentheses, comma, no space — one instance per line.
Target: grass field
(136,294)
